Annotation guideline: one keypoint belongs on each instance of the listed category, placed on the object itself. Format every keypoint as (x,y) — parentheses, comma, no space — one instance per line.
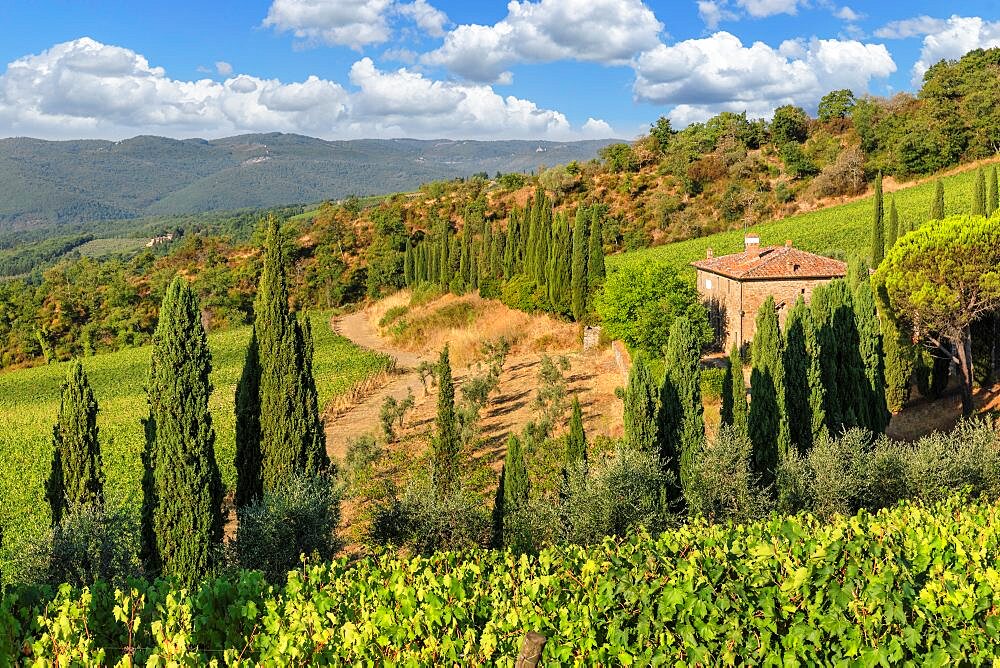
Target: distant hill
(44,182)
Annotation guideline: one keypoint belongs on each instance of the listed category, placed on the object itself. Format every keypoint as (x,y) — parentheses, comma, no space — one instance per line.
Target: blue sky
(557,69)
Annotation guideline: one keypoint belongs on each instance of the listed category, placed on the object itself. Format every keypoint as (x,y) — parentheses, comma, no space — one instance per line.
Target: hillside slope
(72,181)
(840,231)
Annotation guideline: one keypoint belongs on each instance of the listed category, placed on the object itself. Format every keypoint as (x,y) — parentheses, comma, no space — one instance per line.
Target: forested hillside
(79,181)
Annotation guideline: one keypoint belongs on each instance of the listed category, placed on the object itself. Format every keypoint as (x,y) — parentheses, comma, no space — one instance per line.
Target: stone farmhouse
(735,286)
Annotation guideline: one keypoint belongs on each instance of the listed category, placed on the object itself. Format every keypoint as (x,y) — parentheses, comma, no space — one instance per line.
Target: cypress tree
(559,268)
(511,246)
(595,256)
(474,261)
(734,394)
(408,264)
(937,206)
(291,434)
(182,488)
(767,424)
(307,437)
(979,194)
(531,238)
(892,229)
(543,241)
(446,444)
(512,491)
(641,407)
(576,441)
(682,424)
(857,270)
(497,253)
(579,271)
(249,484)
(487,250)
(76,479)
(822,308)
(878,230)
(804,392)
(900,356)
(992,194)
(843,369)
(454,257)
(444,259)
(465,259)
(876,415)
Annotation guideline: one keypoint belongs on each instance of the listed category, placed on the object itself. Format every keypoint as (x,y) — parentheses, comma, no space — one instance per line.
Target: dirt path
(592,376)
(363,417)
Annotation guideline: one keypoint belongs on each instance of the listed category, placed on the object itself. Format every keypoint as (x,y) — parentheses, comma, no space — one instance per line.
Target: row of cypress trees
(822,374)
(985,201)
(560,264)
(279,432)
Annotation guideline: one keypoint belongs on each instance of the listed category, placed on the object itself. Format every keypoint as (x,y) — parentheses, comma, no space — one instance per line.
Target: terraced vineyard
(912,585)
(29,401)
(842,230)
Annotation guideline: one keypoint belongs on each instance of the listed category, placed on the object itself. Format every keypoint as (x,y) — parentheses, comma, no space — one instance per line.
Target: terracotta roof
(761,263)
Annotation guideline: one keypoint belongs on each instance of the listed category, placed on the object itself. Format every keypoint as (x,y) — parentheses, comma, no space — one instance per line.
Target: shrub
(842,475)
(720,483)
(392,315)
(425,521)
(299,518)
(621,492)
(424,293)
(89,544)
(523,294)
(640,301)
(796,162)
(712,381)
(845,176)
(513,181)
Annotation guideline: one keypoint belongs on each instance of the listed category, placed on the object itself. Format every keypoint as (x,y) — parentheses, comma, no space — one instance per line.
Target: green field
(99,248)
(29,401)
(839,231)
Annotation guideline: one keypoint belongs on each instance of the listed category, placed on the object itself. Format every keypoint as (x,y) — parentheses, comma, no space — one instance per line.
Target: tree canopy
(943,276)
(640,302)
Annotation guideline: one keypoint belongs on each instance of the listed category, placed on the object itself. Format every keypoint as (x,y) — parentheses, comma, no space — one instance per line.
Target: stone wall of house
(733,304)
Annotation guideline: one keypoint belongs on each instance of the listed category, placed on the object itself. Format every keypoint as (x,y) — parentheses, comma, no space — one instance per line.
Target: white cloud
(223,68)
(957,36)
(429,19)
(353,23)
(918,25)
(762,8)
(714,12)
(845,13)
(84,88)
(596,127)
(718,73)
(603,31)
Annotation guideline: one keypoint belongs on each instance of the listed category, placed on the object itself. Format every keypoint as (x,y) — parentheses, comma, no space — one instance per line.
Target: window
(708,284)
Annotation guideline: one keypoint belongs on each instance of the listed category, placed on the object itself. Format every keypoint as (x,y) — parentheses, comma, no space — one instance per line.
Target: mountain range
(46,182)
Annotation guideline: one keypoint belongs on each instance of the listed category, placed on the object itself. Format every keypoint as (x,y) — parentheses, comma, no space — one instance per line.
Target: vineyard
(910,585)
(29,401)
(839,231)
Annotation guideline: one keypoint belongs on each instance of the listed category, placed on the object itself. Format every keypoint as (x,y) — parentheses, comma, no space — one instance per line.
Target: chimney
(788,243)
(708,253)
(751,242)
